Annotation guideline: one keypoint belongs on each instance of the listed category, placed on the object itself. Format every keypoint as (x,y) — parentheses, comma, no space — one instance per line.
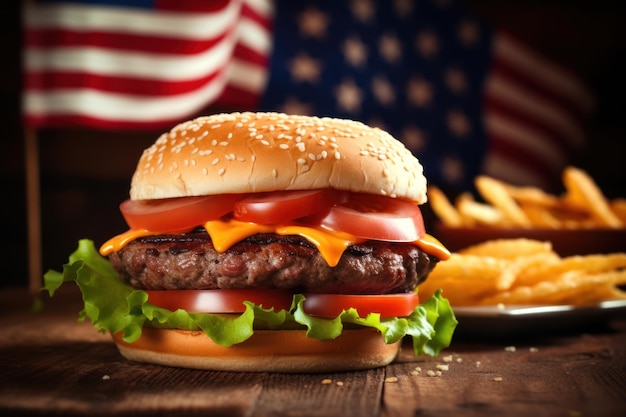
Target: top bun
(259,152)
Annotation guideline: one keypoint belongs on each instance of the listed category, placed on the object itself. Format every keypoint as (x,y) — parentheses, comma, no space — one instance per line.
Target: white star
(349,96)
(452,169)
(313,23)
(469,32)
(383,91)
(455,80)
(427,44)
(390,48)
(403,7)
(419,92)
(355,51)
(303,68)
(363,10)
(293,106)
(458,123)
(377,122)
(414,138)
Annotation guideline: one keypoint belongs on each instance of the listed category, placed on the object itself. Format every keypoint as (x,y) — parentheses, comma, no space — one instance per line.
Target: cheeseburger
(267,242)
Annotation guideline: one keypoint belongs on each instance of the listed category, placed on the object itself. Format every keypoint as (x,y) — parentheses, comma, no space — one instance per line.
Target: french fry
(495,192)
(583,205)
(533,196)
(574,288)
(518,267)
(526,271)
(465,278)
(618,207)
(443,208)
(589,263)
(540,216)
(583,191)
(475,212)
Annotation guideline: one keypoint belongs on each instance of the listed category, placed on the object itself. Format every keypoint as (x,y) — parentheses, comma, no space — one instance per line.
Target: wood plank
(346,394)
(52,365)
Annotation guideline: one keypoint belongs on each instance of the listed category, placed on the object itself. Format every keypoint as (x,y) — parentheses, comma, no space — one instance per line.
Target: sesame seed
(215,161)
(274,173)
(221,171)
(264,142)
(283,146)
(301,161)
(337,155)
(327,381)
(205,171)
(391,379)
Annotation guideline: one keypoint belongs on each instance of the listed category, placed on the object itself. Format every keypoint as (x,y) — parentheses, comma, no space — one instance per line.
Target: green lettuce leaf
(113,306)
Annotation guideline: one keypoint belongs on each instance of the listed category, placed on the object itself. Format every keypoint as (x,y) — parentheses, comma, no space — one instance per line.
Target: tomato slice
(388,305)
(281,206)
(177,214)
(220,301)
(375,217)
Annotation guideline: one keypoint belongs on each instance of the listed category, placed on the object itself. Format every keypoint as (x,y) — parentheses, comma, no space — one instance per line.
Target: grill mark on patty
(189,261)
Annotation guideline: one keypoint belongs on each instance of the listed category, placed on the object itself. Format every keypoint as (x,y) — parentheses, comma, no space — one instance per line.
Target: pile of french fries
(582,205)
(526,272)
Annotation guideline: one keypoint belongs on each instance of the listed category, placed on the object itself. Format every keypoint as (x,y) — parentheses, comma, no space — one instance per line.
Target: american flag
(465,97)
(141,64)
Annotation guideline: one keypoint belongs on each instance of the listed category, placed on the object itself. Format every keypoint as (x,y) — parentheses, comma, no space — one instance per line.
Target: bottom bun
(265,351)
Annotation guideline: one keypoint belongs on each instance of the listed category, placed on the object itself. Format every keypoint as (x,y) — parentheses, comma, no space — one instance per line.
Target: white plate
(522,319)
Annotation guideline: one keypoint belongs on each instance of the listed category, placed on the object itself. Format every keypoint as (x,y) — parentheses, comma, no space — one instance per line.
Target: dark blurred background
(86,174)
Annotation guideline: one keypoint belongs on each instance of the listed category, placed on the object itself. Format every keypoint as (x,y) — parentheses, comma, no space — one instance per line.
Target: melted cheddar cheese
(226,233)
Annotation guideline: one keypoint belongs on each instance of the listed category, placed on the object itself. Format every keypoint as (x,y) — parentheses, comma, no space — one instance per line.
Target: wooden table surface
(52,365)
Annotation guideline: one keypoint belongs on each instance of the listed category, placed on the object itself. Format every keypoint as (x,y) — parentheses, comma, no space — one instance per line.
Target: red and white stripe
(534,115)
(124,68)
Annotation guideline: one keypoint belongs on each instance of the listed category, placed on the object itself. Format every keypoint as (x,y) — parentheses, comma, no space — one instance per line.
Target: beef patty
(189,261)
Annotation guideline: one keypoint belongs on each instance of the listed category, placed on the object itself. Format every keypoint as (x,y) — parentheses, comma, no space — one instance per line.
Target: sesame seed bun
(260,152)
(264,351)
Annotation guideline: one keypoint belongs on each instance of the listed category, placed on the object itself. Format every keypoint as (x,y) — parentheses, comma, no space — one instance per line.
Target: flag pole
(33,210)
